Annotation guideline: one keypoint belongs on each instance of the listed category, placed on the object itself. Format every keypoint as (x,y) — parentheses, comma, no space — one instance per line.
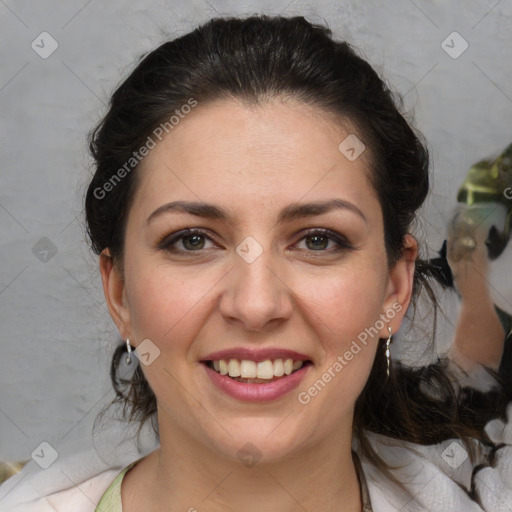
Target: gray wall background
(55,333)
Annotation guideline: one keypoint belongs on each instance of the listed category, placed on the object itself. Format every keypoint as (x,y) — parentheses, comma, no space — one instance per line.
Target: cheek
(163,302)
(344,309)
(344,303)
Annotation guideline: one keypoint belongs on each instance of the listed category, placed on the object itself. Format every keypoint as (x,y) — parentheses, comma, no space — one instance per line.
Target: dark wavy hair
(255,59)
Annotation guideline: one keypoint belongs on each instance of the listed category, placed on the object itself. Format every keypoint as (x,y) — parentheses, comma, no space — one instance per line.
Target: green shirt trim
(111,499)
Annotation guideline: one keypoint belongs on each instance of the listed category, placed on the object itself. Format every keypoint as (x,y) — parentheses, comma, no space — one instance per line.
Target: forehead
(278,151)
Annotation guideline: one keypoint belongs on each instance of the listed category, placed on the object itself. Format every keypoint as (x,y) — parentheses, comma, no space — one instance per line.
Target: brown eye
(318,241)
(191,240)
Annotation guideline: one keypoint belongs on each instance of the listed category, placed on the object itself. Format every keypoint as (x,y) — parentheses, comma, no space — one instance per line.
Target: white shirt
(436,480)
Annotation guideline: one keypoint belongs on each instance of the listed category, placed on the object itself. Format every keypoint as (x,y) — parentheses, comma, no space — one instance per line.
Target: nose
(256,295)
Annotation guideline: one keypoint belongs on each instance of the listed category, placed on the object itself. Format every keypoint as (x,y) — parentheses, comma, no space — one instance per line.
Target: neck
(184,475)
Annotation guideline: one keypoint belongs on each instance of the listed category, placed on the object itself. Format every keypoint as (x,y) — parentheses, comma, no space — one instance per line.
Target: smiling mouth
(252,372)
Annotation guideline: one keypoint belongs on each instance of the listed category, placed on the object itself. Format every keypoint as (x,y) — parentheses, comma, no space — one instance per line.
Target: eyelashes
(169,242)
(341,242)
(191,236)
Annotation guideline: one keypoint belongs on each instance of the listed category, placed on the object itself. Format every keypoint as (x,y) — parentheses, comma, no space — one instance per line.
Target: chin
(261,440)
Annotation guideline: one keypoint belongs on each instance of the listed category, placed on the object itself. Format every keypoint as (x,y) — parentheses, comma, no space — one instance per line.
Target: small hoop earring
(388,342)
(129,350)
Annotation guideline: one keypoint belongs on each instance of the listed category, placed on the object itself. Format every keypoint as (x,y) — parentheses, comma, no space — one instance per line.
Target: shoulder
(76,481)
(77,496)
(430,487)
(442,477)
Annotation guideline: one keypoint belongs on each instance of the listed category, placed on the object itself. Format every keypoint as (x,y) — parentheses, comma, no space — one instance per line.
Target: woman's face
(274,279)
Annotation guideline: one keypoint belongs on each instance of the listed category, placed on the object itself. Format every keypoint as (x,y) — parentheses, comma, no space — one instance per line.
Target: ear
(400,284)
(115,293)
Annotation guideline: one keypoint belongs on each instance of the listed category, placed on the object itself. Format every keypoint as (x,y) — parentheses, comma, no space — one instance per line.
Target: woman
(254,190)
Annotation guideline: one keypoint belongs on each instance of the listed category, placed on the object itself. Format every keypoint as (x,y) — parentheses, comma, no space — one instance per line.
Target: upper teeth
(246,369)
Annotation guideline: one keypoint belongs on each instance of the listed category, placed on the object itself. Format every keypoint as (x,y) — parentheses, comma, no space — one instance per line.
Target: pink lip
(256,355)
(253,392)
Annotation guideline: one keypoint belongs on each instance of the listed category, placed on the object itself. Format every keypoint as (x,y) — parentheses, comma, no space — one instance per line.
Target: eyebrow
(287,214)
